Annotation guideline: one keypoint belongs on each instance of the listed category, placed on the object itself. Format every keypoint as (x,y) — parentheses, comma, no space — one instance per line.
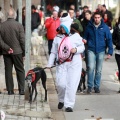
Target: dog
(82,81)
(36,40)
(32,78)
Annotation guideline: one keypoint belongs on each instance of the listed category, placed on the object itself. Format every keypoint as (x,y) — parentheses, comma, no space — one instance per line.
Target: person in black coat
(88,15)
(82,16)
(105,11)
(35,18)
(116,42)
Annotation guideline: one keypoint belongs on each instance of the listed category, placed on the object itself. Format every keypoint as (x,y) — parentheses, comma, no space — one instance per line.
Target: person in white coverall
(68,73)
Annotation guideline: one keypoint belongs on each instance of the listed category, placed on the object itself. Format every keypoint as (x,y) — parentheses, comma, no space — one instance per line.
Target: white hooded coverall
(67,74)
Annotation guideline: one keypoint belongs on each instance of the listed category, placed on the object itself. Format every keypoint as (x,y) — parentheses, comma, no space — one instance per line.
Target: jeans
(95,61)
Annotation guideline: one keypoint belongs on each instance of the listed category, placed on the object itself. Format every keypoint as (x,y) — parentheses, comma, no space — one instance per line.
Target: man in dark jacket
(88,15)
(97,36)
(105,11)
(35,18)
(82,16)
(12,34)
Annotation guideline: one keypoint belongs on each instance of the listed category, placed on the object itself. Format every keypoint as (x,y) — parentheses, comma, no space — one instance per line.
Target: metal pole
(27,42)
(20,11)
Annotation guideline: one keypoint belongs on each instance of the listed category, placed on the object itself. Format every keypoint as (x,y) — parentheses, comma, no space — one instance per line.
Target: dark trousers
(17,61)
(117,57)
(49,46)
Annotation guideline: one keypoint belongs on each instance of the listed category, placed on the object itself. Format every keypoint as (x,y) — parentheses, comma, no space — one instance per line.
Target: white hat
(66,22)
(56,8)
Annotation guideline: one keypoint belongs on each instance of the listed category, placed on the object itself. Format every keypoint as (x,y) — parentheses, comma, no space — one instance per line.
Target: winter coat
(51,26)
(35,21)
(79,24)
(12,34)
(84,25)
(98,38)
(110,16)
(108,23)
(116,37)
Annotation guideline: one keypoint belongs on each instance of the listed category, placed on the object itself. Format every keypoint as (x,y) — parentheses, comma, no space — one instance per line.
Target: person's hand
(10,51)
(73,50)
(84,41)
(108,57)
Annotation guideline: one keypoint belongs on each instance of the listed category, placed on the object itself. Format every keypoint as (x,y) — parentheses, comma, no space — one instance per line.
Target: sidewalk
(15,107)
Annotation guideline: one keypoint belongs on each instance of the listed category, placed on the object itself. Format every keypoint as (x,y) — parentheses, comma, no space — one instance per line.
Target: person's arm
(38,20)
(109,40)
(111,16)
(48,22)
(79,45)
(53,54)
(114,36)
(3,45)
(22,39)
(86,34)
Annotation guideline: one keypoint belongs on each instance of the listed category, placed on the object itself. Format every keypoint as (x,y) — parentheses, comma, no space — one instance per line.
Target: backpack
(64,50)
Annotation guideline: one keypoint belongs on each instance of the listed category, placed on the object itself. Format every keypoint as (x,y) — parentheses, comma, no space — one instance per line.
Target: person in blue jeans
(97,35)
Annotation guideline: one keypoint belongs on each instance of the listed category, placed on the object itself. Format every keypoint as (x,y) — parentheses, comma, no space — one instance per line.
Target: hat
(75,26)
(66,22)
(56,8)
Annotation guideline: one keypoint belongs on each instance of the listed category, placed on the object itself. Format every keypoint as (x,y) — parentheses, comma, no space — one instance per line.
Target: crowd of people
(71,36)
(94,29)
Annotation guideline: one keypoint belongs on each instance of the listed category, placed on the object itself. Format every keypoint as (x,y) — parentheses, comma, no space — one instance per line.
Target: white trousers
(67,79)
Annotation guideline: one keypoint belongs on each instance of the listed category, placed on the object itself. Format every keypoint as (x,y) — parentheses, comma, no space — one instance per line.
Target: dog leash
(54,65)
(61,62)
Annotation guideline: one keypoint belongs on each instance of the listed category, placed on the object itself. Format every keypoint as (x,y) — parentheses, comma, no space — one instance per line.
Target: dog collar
(33,75)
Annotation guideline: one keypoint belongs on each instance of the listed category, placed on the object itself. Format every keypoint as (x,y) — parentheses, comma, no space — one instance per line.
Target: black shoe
(89,90)
(69,109)
(21,92)
(60,105)
(97,90)
(10,92)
